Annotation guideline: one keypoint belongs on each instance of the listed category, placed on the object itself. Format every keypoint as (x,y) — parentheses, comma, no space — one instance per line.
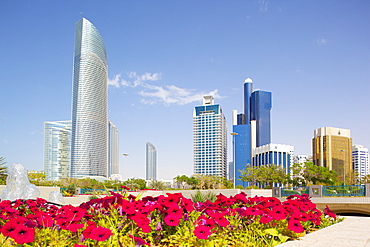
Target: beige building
(332,148)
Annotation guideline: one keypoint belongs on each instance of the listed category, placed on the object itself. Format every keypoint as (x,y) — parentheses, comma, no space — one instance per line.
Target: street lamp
(234,134)
(124,161)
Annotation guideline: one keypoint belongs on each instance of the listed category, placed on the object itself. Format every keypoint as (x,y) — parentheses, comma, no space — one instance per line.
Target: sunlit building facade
(277,154)
(332,148)
(113,149)
(57,144)
(151,162)
(210,139)
(89,154)
(360,160)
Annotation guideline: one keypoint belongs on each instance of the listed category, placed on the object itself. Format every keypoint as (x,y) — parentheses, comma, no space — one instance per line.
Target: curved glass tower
(89,151)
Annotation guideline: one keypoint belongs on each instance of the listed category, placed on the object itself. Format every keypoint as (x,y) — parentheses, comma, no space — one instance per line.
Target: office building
(113,149)
(89,154)
(210,139)
(360,160)
(151,162)
(332,148)
(277,154)
(252,128)
(300,159)
(57,143)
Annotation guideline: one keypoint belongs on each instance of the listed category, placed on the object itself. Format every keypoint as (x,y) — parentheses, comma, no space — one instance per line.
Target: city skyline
(161,63)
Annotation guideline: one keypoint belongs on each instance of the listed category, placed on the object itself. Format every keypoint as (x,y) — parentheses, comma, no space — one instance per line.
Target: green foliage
(182,179)
(36,176)
(203,196)
(70,190)
(308,173)
(204,182)
(157,185)
(240,187)
(3,169)
(135,183)
(264,174)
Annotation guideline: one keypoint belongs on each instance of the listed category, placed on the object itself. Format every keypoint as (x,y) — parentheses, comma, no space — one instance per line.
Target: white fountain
(18,185)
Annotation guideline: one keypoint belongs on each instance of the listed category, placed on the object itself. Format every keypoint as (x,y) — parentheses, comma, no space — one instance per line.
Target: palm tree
(3,169)
(157,185)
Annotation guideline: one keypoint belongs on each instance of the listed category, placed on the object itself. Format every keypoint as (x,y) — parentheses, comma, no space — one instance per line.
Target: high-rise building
(210,139)
(277,154)
(332,148)
(360,160)
(113,149)
(252,128)
(57,144)
(89,154)
(151,162)
(261,104)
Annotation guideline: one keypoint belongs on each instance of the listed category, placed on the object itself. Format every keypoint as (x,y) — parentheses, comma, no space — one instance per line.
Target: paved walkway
(352,232)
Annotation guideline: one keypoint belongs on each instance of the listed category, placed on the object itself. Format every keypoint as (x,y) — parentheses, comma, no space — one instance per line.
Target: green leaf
(272,232)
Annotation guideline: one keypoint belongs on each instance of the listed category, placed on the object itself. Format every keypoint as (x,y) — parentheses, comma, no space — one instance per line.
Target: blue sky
(314,56)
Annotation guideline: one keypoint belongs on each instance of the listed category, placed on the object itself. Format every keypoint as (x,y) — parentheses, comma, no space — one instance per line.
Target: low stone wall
(78,199)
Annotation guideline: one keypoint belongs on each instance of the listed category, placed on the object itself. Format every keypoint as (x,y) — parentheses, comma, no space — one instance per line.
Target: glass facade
(151,162)
(89,154)
(332,148)
(360,160)
(210,140)
(260,111)
(57,143)
(242,150)
(113,149)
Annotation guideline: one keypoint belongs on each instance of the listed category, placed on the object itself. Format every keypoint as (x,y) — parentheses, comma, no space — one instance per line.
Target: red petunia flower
(265,219)
(87,232)
(23,234)
(202,232)
(279,213)
(329,212)
(100,233)
(74,227)
(9,227)
(295,226)
(138,241)
(174,209)
(172,220)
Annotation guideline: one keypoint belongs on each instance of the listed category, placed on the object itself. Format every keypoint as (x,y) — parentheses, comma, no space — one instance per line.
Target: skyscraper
(57,144)
(89,155)
(113,151)
(151,162)
(260,112)
(210,139)
(252,128)
(360,160)
(332,148)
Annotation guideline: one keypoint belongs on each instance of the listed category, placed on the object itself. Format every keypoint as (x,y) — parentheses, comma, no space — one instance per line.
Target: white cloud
(322,41)
(159,94)
(264,5)
(173,95)
(115,82)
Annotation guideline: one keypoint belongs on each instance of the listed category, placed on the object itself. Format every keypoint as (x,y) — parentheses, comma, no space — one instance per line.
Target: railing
(293,191)
(344,190)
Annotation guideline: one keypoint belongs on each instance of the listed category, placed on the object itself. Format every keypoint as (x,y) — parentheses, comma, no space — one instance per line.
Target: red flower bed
(163,220)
